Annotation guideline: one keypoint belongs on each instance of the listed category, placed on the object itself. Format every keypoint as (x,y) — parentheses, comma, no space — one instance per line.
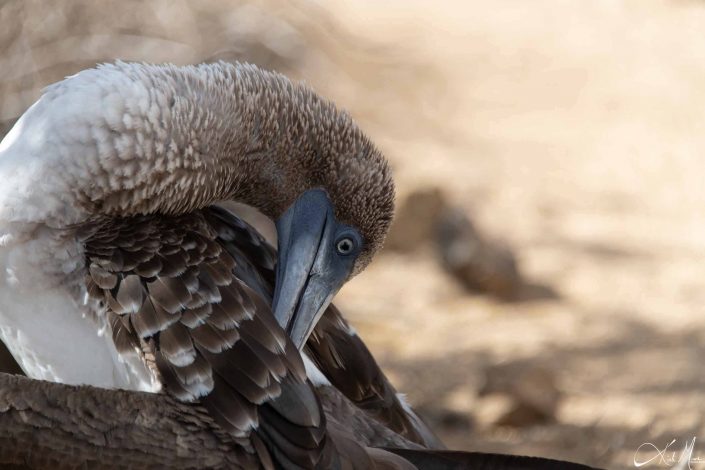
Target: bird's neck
(243,134)
(127,139)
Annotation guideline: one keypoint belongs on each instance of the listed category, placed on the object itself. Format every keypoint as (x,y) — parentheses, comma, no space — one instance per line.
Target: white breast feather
(63,138)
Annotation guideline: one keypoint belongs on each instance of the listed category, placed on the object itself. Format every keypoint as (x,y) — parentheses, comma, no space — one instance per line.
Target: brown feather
(195,316)
(170,293)
(247,361)
(231,310)
(195,374)
(102,278)
(172,382)
(176,345)
(190,279)
(149,268)
(130,294)
(230,409)
(221,274)
(124,337)
(151,319)
(172,265)
(208,288)
(214,340)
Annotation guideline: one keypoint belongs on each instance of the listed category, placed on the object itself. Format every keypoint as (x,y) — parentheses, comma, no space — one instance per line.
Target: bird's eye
(345,245)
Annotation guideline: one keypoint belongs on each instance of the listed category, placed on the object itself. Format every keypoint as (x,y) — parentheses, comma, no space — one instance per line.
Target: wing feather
(334,347)
(173,293)
(176,344)
(340,353)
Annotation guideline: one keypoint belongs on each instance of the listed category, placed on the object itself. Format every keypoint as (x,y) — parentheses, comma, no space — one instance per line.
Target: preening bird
(121,271)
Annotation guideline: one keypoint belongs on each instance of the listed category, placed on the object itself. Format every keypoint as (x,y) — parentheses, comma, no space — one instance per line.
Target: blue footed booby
(120,270)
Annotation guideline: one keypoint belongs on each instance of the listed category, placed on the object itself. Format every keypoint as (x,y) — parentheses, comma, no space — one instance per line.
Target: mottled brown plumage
(334,346)
(225,351)
(232,359)
(210,133)
(107,213)
(239,364)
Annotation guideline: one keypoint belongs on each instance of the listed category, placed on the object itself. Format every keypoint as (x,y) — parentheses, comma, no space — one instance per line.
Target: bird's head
(330,233)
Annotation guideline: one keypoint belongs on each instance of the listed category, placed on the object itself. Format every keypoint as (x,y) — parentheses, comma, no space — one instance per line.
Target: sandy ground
(571,129)
(574,130)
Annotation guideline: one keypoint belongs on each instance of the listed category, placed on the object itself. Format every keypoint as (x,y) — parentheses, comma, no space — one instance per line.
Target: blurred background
(542,289)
